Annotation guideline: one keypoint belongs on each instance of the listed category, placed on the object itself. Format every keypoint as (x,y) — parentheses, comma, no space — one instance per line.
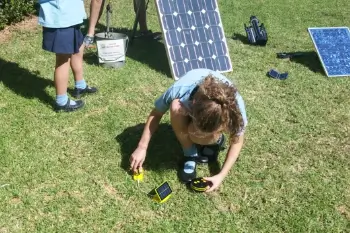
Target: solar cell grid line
(333,49)
(194,36)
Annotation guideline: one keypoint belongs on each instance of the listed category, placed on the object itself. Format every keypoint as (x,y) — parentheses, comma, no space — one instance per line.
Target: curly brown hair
(215,108)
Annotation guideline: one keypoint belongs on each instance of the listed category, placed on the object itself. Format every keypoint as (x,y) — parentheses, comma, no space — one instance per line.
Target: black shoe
(201,159)
(188,177)
(149,35)
(211,152)
(78,92)
(70,108)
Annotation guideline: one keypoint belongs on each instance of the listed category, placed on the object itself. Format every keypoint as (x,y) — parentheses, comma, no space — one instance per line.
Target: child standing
(203,104)
(61,20)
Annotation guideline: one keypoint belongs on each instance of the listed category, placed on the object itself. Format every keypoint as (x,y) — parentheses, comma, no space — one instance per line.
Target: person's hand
(215,182)
(137,158)
(88,41)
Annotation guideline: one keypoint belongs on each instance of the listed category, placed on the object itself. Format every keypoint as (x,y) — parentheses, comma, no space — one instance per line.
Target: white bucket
(111,48)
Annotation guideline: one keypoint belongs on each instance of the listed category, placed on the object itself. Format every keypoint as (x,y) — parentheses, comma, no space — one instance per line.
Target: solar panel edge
(226,46)
(159,14)
(323,28)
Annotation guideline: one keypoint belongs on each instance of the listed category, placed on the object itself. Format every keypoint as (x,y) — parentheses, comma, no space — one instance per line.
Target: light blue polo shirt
(182,88)
(61,13)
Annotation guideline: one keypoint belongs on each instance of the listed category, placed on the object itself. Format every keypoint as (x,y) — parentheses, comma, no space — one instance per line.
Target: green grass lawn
(68,172)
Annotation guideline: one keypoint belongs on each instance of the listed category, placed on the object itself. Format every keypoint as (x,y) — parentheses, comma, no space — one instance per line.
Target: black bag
(256,34)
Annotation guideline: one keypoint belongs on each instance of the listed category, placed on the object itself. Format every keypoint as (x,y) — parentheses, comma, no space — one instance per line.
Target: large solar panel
(194,36)
(333,49)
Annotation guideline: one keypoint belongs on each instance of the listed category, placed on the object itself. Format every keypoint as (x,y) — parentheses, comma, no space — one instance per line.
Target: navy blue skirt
(63,40)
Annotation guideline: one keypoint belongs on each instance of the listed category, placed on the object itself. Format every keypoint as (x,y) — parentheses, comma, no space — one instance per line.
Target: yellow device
(138,175)
(162,193)
(200,184)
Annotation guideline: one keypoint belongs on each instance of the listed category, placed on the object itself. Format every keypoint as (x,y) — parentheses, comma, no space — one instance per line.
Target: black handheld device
(200,184)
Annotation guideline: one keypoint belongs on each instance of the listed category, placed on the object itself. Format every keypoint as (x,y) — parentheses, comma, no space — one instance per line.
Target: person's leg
(208,145)
(96,10)
(142,14)
(188,139)
(200,138)
(142,21)
(76,63)
(179,123)
(61,78)
(62,73)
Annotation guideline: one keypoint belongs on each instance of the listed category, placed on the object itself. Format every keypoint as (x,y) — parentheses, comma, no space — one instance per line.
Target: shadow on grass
(164,151)
(240,37)
(24,82)
(308,59)
(214,167)
(146,50)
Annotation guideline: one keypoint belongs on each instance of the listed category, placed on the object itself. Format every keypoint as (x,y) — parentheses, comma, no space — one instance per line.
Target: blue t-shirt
(61,13)
(183,88)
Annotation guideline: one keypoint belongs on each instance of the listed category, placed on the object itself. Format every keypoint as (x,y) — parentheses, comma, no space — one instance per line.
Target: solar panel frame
(326,68)
(194,63)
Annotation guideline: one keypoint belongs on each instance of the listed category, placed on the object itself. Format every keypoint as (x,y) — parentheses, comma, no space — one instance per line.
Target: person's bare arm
(95,13)
(230,160)
(232,156)
(150,127)
(138,156)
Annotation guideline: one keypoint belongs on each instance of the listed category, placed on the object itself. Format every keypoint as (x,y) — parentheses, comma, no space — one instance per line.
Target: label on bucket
(110,50)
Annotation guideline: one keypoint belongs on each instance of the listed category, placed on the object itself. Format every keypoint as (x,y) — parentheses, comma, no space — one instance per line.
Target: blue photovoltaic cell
(194,35)
(333,48)
(164,190)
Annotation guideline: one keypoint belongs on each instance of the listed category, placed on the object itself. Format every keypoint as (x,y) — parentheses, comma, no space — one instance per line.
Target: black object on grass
(200,184)
(256,34)
(277,75)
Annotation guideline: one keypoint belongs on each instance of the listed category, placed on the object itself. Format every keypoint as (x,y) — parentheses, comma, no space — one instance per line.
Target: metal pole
(109,11)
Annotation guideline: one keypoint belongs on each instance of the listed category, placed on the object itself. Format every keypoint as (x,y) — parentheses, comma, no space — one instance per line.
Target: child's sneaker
(212,151)
(68,107)
(77,93)
(149,35)
(188,170)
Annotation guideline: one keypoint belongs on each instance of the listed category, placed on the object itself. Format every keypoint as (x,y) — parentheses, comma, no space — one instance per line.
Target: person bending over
(61,22)
(203,105)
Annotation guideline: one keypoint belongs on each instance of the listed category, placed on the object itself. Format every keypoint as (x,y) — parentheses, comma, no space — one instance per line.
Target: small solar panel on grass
(163,191)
